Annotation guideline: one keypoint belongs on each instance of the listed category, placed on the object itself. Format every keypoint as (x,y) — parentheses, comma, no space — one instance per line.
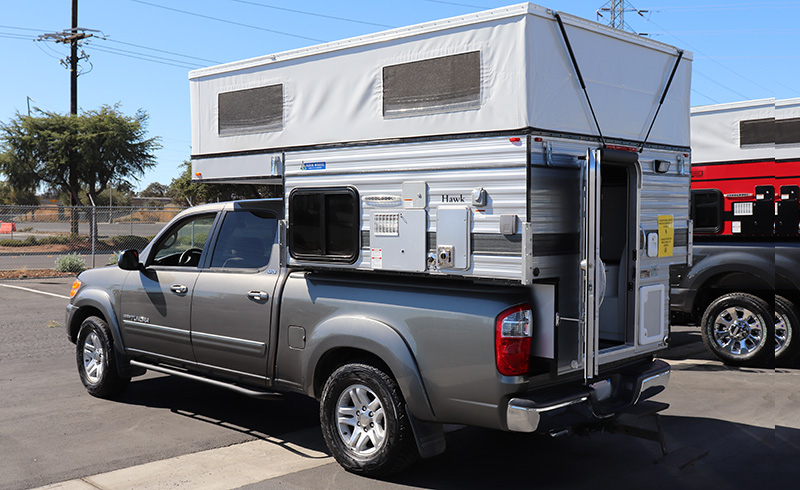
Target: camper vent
(432,86)
(255,110)
(386,224)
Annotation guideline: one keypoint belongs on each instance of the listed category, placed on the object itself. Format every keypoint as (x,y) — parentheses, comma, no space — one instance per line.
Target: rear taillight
(512,340)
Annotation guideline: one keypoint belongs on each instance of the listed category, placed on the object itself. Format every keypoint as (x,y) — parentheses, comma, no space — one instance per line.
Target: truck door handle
(258,295)
(178,289)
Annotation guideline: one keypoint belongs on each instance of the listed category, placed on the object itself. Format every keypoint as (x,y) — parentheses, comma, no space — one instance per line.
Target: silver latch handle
(178,289)
(258,295)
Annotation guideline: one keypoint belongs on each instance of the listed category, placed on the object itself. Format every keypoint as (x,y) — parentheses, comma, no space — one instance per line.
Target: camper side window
(432,86)
(324,225)
(706,210)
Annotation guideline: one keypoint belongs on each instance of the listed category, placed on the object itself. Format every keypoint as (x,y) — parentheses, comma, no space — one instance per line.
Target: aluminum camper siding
(451,169)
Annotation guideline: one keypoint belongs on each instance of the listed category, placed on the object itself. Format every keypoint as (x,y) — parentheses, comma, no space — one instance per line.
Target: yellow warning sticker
(666,235)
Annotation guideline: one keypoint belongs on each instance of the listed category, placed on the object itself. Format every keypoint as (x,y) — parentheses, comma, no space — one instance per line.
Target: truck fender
(731,262)
(100,300)
(379,339)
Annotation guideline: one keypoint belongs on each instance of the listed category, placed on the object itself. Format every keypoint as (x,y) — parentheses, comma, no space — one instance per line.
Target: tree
(184,190)
(9,195)
(68,153)
(155,189)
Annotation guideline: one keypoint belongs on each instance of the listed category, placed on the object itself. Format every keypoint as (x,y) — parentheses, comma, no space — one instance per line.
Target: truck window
(324,225)
(706,210)
(184,243)
(245,240)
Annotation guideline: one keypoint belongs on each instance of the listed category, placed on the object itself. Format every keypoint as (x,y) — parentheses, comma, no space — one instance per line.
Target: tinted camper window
(324,225)
(255,110)
(756,132)
(706,211)
(787,131)
(446,84)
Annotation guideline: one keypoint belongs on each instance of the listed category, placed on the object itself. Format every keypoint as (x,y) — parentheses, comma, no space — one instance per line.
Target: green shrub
(10,242)
(70,263)
(113,258)
(55,240)
(127,242)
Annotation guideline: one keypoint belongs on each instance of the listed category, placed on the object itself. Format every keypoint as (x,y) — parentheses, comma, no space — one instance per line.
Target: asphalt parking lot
(742,424)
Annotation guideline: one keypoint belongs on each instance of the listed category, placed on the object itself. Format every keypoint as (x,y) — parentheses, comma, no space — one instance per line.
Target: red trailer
(746,168)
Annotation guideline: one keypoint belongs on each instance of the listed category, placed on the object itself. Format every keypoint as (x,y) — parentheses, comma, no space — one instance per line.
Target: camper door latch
(548,152)
(444,256)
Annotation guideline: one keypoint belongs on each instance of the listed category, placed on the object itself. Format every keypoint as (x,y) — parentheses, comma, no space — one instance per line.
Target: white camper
(519,146)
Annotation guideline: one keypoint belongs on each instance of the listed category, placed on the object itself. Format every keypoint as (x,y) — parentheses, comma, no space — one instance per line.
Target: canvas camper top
(513,72)
(745,131)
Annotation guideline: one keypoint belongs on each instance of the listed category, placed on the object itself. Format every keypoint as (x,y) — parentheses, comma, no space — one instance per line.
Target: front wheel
(786,341)
(364,421)
(96,359)
(738,329)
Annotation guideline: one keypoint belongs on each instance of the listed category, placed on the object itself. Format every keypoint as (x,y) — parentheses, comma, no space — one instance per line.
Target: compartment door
(592,274)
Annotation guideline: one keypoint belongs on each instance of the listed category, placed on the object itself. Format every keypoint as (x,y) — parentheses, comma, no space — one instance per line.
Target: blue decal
(313,166)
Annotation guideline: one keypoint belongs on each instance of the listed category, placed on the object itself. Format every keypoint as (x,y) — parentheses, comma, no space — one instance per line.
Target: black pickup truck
(732,290)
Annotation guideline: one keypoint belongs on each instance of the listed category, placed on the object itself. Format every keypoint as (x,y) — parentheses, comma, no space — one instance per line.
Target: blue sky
(742,50)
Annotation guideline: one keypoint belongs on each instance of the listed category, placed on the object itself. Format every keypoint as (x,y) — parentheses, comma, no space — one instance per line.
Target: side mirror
(129,260)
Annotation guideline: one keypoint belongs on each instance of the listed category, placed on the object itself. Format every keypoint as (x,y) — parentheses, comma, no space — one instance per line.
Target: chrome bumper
(534,413)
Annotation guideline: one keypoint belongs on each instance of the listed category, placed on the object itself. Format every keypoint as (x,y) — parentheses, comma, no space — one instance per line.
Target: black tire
(97,359)
(786,322)
(388,443)
(738,329)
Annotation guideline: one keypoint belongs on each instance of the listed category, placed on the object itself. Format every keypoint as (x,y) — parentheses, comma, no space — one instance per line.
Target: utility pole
(615,9)
(73,37)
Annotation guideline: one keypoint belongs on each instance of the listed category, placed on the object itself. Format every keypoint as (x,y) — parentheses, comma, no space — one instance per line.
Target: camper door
(609,241)
(592,273)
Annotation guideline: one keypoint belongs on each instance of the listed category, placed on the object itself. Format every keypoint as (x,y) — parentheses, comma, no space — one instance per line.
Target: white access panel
(453,230)
(652,324)
(544,319)
(397,239)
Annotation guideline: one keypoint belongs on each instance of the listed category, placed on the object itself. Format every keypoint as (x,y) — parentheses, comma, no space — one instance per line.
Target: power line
(711,59)
(731,6)
(14,35)
(706,96)
(229,21)
(313,14)
(118,50)
(459,4)
(176,63)
(161,50)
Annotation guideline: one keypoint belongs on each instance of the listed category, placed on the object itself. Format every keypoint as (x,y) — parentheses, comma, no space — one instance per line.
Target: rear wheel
(738,329)
(97,359)
(786,341)
(364,421)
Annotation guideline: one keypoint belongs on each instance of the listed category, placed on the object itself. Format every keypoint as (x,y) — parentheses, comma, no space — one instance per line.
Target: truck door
(591,266)
(156,303)
(233,296)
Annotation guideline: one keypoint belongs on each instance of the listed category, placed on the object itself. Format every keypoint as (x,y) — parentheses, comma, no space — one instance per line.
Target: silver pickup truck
(391,357)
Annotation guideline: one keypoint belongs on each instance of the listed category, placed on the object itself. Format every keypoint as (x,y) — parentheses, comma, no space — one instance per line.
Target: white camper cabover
(469,148)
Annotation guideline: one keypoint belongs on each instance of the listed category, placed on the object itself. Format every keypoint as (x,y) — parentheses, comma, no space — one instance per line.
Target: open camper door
(592,273)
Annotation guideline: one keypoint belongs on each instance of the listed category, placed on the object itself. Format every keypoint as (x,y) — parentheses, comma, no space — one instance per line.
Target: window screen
(324,225)
(245,240)
(787,131)
(254,110)
(432,86)
(706,210)
(756,132)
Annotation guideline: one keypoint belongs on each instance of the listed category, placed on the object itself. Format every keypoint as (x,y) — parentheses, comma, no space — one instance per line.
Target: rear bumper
(569,406)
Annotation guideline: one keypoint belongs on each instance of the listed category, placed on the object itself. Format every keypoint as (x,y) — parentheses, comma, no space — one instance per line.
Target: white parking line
(216,469)
(35,291)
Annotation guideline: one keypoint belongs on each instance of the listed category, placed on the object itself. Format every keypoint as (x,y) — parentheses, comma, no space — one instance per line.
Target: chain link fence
(34,237)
